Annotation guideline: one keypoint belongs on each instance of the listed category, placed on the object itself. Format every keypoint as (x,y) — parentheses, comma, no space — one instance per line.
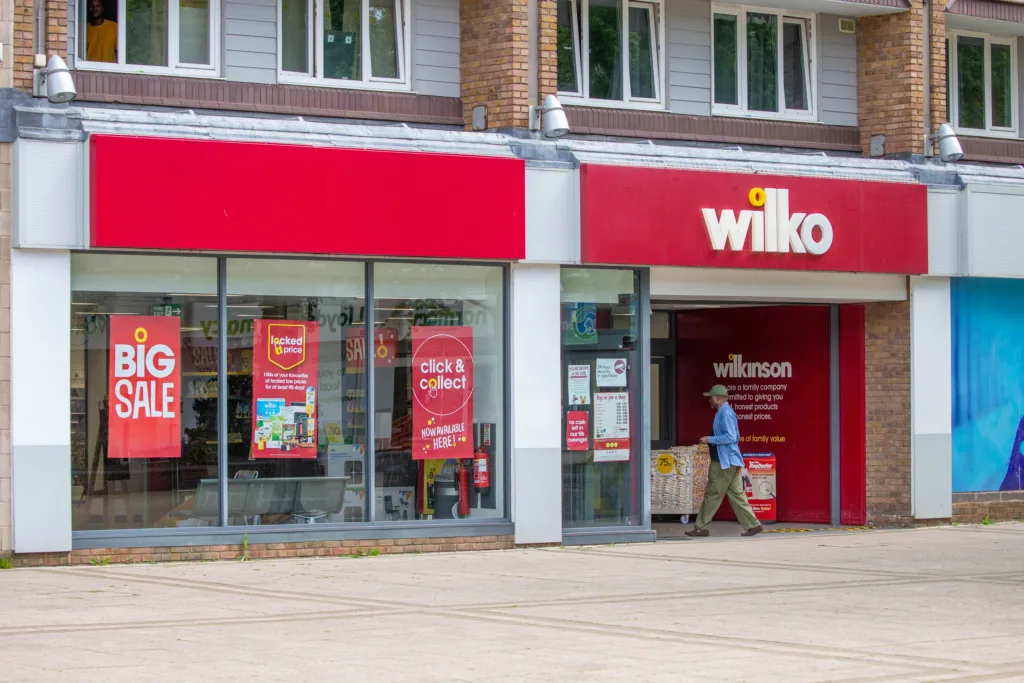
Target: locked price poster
(442,391)
(284,388)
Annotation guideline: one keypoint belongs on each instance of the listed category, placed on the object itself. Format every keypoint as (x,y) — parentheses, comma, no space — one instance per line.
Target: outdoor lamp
(555,123)
(949,146)
(60,86)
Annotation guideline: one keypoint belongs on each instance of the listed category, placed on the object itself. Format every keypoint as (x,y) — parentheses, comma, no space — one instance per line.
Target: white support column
(41,400)
(931,399)
(536,404)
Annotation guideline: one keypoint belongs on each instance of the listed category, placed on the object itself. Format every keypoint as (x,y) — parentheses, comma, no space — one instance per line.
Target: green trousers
(721,483)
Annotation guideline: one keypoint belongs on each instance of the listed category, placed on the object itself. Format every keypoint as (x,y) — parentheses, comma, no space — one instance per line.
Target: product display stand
(679,479)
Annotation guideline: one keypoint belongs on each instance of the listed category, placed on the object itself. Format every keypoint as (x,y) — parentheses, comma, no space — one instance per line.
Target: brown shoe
(753,531)
(698,533)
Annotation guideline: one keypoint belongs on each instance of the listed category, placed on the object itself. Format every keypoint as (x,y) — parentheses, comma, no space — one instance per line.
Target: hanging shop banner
(578,385)
(611,372)
(144,415)
(284,389)
(611,426)
(385,347)
(759,483)
(577,430)
(442,390)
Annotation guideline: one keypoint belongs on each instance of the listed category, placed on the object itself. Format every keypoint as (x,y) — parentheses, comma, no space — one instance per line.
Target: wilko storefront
(779,287)
(293,357)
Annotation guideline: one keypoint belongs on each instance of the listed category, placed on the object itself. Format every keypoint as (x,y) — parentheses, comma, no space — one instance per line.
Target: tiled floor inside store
(670,529)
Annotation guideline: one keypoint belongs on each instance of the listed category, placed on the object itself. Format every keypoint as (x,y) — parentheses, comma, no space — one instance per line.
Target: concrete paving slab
(859,607)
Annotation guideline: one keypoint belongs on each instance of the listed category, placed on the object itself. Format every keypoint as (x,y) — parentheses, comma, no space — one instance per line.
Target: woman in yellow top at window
(100,35)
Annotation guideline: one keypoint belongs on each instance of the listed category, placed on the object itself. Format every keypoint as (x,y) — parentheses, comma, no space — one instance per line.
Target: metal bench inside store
(296,500)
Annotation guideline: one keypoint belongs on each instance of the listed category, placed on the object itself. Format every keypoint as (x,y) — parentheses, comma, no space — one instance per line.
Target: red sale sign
(577,430)
(442,391)
(284,389)
(385,347)
(144,419)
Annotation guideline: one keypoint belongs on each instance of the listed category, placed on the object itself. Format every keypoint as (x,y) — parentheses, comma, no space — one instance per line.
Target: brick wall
(266,550)
(996,506)
(547,44)
(22,39)
(938,56)
(494,61)
(890,79)
(887,406)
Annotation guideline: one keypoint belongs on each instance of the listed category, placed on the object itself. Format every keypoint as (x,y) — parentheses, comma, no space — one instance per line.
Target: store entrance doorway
(775,361)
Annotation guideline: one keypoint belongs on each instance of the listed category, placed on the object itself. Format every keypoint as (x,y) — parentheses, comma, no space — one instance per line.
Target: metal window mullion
(835,451)
(222,389)
(369,356)
(173,40)
(627,90)
(122,31)
(506,292)
(364,32)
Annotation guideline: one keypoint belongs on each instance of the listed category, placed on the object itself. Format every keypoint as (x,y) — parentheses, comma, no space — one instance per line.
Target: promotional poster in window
(442,374)
(145,387)
(988,384)
(284,388)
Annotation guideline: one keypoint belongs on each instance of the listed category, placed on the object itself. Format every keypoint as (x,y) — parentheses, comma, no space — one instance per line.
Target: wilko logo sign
(144,419)
(442,377)
(737,369)
(286,346)
(633,215)
(773,230)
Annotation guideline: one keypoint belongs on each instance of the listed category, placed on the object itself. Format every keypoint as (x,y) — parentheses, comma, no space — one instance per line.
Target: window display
(602,397)
(143,389)
(439,409)
(145,394)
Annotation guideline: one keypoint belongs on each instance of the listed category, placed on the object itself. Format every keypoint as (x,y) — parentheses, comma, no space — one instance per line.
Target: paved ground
(941,604)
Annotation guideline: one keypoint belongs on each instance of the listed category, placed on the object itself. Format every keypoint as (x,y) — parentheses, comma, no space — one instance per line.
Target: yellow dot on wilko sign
(141,335)
(666,464)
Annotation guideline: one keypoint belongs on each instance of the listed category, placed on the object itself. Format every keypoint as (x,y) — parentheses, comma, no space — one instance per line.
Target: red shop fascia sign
(663,217)
(150,193)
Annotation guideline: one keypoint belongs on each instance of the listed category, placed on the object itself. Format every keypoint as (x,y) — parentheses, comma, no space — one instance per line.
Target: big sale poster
(144,411)
(442,390)
(284,389)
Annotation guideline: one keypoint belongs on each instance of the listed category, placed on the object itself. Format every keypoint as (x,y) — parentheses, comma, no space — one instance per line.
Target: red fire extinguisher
(463,477)
(481,473)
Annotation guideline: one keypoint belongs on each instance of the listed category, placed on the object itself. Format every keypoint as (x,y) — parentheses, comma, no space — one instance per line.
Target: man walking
(724,477)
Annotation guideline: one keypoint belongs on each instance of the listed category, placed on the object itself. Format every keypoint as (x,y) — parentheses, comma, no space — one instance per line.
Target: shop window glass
(726,60)
(143,435)
(605,49)
(439,392)
(297,408)
(602,397)
(568,47)
(294,36)
(762,56)
(1002,86)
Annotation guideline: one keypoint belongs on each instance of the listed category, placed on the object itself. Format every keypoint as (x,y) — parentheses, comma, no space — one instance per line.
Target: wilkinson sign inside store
(772,229)
(664,217)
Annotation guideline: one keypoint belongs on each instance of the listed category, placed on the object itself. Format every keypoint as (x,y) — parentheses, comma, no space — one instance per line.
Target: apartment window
(981,83)
(610,51)
(762,63)
(155,36)
(345,42)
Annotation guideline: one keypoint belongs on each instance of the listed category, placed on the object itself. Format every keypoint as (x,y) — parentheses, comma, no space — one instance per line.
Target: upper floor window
(610,50)
(981,83)
(762,63)
(362,43)
(156,36)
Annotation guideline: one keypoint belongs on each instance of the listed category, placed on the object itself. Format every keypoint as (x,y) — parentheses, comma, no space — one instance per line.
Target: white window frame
(810,72)
(581,33)
(954,85)
(173,68)
(315,47)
